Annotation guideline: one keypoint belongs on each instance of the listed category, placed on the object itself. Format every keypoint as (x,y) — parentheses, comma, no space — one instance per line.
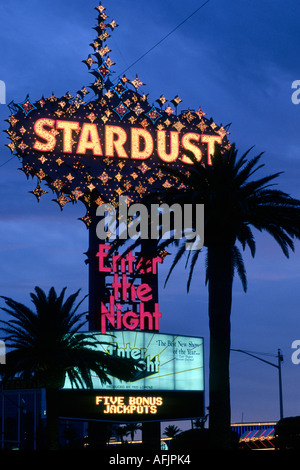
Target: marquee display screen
(166,362)
(125,406)
(168,385)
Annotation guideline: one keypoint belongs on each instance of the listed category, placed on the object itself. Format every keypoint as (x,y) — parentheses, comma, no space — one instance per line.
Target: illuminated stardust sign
(110,141)
(115,144)
(95,162)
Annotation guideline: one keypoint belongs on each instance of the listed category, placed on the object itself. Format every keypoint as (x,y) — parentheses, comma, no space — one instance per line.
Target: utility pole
(277,366)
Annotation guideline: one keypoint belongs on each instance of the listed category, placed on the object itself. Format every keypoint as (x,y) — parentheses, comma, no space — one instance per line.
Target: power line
(166,36)
(7,161)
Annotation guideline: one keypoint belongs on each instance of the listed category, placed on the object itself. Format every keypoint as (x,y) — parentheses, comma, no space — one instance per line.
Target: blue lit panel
(167,362)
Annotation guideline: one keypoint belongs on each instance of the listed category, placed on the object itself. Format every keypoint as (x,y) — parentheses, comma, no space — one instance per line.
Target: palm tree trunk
(220,300)
(52,420)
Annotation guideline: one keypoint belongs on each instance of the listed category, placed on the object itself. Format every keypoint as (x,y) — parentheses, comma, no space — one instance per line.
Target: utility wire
(165,37)
(8,161)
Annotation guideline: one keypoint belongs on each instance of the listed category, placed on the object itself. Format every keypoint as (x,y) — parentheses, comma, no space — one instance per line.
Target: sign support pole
(96,279)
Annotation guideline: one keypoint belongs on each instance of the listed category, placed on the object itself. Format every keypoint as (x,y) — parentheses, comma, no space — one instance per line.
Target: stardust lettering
(110,141)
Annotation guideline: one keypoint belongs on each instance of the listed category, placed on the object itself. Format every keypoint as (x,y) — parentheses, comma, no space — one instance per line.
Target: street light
(278,366)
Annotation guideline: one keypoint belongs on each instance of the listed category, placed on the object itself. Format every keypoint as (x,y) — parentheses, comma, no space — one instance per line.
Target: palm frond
(195,255)
(238,265)
(46,344)
(181,251)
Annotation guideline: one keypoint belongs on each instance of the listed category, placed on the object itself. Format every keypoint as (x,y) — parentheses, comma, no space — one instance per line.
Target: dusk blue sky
(235,59)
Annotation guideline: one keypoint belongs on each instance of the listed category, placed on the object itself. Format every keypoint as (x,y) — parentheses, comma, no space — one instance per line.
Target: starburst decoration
(38,192)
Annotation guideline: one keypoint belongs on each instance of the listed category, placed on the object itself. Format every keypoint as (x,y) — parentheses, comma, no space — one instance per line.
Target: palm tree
(132,428)
(171,430)
(234,202)
(121,431)
(47,344)
(199,423)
